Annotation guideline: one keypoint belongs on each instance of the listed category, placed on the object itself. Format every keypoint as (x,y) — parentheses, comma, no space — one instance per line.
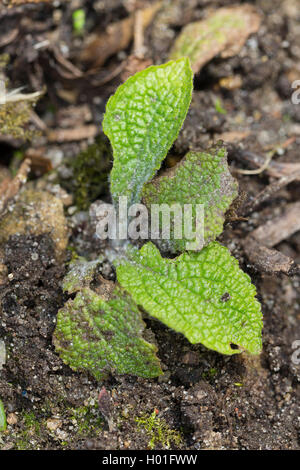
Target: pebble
(12,419)
(53,424)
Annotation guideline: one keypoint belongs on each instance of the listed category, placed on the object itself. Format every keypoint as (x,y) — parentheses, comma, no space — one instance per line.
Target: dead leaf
(116,38)
(39,163)
(223,32)
(9,37)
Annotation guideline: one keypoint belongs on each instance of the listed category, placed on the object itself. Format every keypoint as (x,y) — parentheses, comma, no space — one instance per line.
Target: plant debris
(223,32)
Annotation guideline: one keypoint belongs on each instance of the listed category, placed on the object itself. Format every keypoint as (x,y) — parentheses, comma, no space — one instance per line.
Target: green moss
(31,422)
(14,119)
(90,170)
(4,60)
(210,374)
(32,429)
(23,444)
(158,431)
(87,419)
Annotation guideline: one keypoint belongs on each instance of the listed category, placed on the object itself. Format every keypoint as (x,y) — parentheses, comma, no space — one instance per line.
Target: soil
(204,400)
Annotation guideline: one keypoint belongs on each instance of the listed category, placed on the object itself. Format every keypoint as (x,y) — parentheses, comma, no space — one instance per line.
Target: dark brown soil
(212,401)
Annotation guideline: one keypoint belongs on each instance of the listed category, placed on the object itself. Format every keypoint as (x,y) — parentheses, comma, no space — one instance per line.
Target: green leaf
(81,273)
(142,120)
(103,334)
(200,178)
(203,295)
(224,31)
(2,417)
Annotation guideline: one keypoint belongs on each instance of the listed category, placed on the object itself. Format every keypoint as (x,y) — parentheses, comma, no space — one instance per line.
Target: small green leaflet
(3,424)
(142,120)
(205,296)
(200,178)
(103,335)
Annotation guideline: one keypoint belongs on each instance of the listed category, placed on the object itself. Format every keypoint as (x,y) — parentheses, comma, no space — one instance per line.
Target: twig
(275,169)
(74,134)
(38,121)
(138,43)
(9,189)
(259,170)
(258,245)
(268,192)
(281,227)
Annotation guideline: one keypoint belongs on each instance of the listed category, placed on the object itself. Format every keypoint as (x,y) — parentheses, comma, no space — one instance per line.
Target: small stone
(36,213)
(61,434)
(53,424)
(72,210)
(12,419)
(191,358)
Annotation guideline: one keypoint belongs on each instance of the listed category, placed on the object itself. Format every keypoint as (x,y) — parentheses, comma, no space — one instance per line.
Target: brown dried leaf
(116,38)
(224,32)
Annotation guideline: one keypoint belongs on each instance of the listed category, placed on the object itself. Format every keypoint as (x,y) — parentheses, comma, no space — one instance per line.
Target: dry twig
(258,245)
(10,187)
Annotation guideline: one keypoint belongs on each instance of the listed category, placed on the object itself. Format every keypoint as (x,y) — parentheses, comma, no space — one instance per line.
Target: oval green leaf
(204,295)
(142,120)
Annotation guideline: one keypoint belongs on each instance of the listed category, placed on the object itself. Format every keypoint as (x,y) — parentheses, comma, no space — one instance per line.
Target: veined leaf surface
(103,335)
(199,178)
(142,120)
(204,295)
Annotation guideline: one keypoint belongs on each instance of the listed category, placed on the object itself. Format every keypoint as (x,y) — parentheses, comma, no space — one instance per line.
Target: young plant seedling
(202,294)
